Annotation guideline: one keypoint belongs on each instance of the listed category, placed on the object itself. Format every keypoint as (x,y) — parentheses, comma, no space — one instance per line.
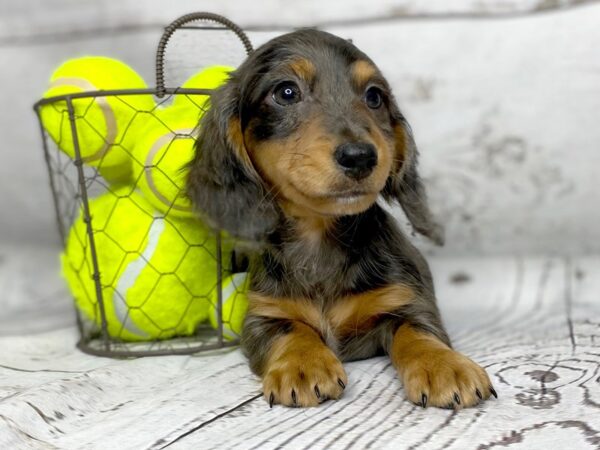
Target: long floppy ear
(404,184)
(223,185)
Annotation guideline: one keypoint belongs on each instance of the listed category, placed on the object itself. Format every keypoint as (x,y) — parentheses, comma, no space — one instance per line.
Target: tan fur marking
(236,139)
(300,338)
(362,72)
(357,313)
(386,152)
(298,362)
(304,69)
(347,315)
(313,228)
(304,160)
(280,308)
(302,173)
(429,367)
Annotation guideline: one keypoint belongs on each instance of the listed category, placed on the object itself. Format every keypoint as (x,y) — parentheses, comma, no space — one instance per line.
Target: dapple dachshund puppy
(293,154)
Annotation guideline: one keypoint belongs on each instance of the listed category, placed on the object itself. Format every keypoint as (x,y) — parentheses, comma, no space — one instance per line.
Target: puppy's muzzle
(356,159)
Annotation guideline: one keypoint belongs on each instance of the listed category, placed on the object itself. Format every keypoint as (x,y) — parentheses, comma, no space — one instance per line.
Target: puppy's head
(307,126)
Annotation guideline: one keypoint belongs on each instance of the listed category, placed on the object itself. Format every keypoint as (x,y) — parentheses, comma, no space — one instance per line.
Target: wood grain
(542,379)
(33,296)
(531,322)
(42,20)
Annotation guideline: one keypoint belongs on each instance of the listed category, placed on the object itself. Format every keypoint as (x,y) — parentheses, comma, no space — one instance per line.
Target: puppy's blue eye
(373,97)
(286,93)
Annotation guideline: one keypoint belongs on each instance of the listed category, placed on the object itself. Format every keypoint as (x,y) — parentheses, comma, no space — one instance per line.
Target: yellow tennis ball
(166,145)
(210,78)
(235,305)
(156,275)
(161,155)
(105,124)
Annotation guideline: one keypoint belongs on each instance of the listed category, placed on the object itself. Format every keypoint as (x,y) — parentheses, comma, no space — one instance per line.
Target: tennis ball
(160,157)
(166,144)
(235,305)
(156,275)
(104,124)
(210,78)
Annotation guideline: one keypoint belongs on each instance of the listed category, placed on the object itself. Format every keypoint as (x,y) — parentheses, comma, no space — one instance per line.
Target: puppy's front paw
(298,378)
(446,379)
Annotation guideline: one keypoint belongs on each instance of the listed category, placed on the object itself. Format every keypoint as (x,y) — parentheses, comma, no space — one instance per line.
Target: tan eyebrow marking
(362,72)
(303,68)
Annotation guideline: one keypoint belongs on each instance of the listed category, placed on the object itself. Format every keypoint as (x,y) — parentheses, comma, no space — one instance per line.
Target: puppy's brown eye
(373,97)
(286,93)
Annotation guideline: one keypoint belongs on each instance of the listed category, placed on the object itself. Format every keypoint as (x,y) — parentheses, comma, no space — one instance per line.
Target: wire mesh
(148,277)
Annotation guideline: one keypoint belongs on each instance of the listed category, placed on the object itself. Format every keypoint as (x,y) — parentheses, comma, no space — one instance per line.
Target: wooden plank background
(42,20)
(503,96)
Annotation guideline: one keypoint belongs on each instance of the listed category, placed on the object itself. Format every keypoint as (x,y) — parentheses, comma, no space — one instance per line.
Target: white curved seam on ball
(237,281)
(158,144)
(131,274)
(107,112)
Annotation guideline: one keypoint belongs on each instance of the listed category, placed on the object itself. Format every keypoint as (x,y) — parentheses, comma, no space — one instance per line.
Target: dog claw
(271,400)
(294,399)
(341,383)
(424,400)
(493,391)
(317,392)
(456,398)
(478,393)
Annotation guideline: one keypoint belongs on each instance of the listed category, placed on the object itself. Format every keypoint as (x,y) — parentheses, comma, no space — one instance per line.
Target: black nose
(357,159)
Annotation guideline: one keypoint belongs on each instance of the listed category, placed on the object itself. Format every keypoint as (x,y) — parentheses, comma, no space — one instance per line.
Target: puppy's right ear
(223,185)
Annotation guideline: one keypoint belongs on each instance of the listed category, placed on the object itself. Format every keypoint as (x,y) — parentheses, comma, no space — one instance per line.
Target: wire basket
(148,278)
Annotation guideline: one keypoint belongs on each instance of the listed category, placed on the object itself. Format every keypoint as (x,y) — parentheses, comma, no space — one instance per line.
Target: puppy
(293,154)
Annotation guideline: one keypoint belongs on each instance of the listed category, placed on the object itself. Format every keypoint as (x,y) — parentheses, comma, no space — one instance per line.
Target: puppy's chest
(320,273)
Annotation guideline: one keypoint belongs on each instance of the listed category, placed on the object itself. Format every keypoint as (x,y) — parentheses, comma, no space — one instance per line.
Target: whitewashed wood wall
(504,97)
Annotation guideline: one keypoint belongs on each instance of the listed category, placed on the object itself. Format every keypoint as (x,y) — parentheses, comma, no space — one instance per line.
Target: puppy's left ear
(404,183)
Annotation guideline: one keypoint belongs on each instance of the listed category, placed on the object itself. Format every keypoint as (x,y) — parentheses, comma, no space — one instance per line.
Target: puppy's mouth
(348,201)
(335,195)
(347,197)
(334,202)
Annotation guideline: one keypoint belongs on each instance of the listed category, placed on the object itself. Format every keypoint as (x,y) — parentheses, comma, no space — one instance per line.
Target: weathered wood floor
(533,323)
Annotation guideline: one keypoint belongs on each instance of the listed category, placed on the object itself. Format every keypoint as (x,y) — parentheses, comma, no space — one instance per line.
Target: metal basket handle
(180,22)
